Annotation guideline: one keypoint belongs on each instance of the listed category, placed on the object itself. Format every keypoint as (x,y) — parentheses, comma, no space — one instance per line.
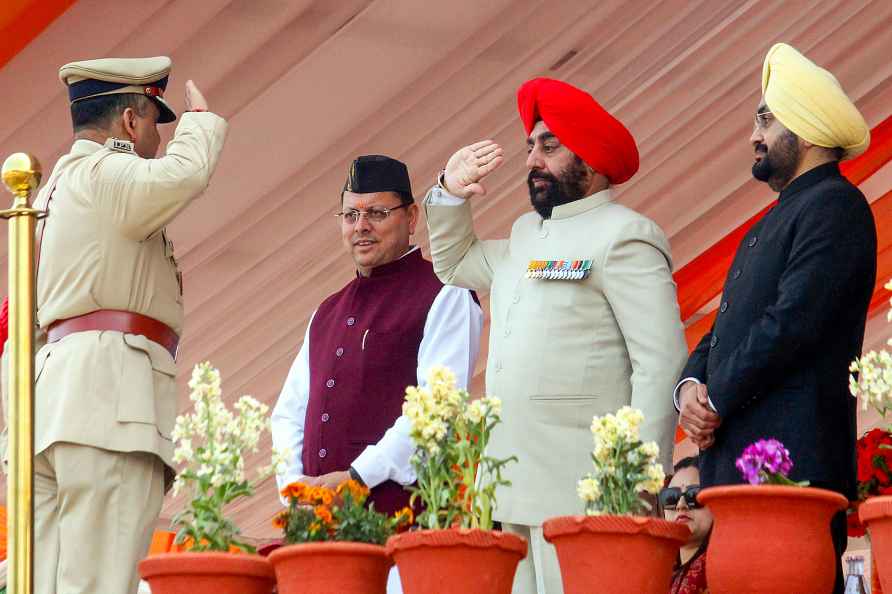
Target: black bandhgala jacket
(790,322)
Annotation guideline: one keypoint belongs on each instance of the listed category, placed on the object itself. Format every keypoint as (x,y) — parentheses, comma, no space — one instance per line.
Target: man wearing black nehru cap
(339,411)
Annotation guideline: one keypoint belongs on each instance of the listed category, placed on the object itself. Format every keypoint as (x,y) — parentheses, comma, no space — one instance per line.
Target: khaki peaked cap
(110,76)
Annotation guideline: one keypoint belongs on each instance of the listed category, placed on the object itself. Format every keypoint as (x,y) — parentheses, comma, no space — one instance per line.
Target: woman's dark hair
(689,462)
(97,112)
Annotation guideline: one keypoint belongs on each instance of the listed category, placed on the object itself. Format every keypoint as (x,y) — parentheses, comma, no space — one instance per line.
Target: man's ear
(128,122)
(413,217)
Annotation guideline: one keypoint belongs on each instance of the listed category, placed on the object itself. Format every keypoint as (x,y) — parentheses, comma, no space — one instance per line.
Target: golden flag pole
(21,175)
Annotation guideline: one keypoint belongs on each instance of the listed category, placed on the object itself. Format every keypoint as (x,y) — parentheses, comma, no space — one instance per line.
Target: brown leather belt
(126,322)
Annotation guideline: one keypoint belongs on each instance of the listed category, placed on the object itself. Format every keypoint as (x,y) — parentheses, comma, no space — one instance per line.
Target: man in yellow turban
(794,305)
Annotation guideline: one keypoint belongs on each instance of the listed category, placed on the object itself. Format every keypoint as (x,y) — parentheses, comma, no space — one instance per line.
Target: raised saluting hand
(469,165)
(195,101)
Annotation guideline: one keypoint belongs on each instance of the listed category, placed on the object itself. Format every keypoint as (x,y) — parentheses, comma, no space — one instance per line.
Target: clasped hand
(695,415)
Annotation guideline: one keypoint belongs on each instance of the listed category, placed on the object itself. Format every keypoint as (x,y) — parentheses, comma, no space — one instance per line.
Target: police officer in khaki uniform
(110,300)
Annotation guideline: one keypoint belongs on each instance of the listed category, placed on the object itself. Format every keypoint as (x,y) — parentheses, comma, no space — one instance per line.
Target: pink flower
(764,461)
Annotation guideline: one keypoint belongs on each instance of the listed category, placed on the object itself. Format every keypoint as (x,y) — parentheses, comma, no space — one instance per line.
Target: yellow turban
(809,101)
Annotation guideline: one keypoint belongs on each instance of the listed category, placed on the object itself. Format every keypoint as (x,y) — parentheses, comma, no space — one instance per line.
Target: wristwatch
(355,476)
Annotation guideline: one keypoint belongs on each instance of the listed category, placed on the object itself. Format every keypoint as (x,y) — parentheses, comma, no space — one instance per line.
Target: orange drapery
(23,20)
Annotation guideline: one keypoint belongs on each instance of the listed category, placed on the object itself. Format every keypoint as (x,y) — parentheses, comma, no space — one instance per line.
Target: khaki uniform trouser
(538,572)
(94,515)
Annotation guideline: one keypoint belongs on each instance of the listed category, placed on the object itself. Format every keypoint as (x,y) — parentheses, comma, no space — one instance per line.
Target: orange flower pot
(768,538)
(208,573)
(616,554)
(457,561)
(876,514)
(331,568)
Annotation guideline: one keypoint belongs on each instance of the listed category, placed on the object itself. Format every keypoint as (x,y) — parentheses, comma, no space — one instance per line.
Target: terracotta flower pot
(616,554)
(457,561)
(876,513)
(765,538)
(208,573)
(331,568)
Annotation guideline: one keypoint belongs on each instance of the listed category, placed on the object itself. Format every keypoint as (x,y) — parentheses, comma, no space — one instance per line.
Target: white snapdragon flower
(650,450)
(654,479)
(476,412)
(622,465)
(588,489)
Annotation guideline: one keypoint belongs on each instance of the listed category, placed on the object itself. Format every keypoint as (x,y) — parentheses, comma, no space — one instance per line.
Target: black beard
(569,187)
(778,165)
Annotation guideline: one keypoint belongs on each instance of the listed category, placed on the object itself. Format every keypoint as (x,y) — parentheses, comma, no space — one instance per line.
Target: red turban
(581,124)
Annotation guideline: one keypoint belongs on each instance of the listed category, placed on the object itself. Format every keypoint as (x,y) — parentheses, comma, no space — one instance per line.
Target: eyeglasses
(372,215)
(670,496)
(763,120)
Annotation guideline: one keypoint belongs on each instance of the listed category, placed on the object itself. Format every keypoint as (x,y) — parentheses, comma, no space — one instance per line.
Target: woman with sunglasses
(679,503)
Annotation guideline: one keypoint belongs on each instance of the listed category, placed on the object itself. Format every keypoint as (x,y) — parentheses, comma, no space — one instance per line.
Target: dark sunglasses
(670,496)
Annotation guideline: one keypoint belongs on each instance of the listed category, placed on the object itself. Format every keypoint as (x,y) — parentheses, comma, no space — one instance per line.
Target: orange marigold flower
(323,495)
(280,520)
(405,517)
(323,513)
(295,491)
(358,492)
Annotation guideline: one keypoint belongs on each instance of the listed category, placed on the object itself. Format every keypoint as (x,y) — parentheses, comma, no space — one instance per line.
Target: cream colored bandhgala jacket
(562,351)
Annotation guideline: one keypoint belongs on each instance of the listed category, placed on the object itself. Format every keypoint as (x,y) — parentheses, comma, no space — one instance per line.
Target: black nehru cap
(377,173)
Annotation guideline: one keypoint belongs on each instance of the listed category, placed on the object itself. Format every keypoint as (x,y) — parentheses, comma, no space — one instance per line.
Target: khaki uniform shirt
(562,351)
(104,247)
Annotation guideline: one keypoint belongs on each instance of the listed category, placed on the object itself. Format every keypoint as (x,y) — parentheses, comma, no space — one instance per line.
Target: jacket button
(325,417)
(330,383)
(714,341)
(507,332)
(339,352)
(323,453)
(753,241)
(737,273)
(724,307)
(351,320)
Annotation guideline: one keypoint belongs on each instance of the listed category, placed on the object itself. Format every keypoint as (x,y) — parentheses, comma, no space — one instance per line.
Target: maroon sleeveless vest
(364,344)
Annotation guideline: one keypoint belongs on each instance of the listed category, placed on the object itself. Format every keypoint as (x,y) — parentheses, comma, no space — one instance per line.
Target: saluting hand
(469,165)
(194,99)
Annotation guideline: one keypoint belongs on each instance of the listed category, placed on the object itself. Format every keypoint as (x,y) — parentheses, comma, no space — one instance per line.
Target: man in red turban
(584,318)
